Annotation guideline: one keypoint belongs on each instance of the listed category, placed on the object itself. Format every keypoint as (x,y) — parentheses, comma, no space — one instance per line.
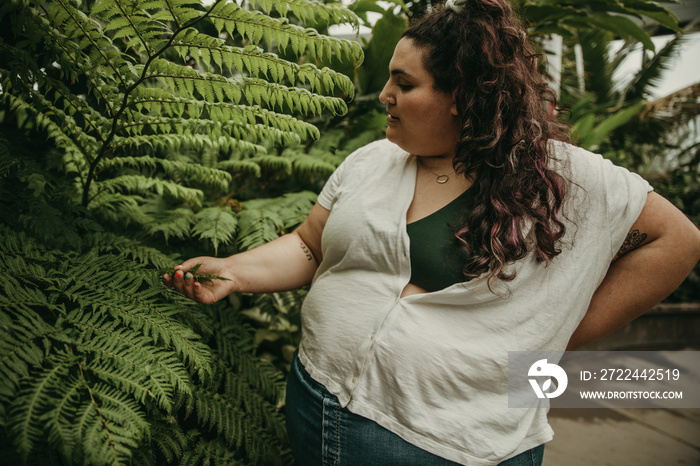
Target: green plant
(133,134)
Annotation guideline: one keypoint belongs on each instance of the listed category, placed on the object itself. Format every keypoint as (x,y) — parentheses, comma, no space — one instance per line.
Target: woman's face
(422,120)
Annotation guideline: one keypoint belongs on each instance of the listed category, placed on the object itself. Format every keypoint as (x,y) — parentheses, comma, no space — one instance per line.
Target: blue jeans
(322,433)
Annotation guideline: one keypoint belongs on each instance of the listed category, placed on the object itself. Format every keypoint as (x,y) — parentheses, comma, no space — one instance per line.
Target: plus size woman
(472,230)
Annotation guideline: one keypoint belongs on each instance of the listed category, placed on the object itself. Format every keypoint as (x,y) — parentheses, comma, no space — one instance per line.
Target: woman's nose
(384,95)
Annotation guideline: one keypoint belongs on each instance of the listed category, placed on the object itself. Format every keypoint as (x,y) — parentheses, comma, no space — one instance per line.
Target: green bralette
(436,257)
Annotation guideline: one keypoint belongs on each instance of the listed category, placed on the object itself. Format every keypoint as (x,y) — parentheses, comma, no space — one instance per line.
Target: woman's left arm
(660,251)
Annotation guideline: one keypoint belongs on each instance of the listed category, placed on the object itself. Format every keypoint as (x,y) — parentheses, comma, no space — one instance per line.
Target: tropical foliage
(657,138)
(132,133)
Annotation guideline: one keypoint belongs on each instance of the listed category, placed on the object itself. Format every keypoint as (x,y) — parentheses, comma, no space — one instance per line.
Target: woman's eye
(405,87)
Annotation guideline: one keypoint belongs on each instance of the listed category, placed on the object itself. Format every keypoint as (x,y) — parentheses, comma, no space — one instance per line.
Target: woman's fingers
(186,283)
(183,282)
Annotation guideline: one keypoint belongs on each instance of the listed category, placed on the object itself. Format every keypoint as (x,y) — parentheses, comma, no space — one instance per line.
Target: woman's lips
(391,118)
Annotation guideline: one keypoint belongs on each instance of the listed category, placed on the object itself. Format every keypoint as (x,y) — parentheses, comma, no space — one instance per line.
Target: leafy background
(134,134)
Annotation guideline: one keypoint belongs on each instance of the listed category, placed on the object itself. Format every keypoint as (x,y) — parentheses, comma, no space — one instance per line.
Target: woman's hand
(204,291)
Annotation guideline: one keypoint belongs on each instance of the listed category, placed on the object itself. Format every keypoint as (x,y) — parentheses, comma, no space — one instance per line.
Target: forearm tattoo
(633,241)
(306,251)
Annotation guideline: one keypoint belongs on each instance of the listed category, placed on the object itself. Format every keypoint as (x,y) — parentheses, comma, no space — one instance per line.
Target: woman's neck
(437,163)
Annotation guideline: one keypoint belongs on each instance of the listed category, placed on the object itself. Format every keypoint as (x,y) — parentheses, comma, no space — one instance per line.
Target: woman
(470,232)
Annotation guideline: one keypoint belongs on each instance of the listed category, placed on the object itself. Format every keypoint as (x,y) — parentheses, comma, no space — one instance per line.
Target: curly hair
(481,55)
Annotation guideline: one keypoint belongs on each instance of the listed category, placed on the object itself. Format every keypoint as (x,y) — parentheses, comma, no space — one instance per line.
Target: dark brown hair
(481,55)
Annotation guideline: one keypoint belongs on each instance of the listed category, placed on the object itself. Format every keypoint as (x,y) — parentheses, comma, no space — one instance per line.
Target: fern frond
(129,361)
(289,210)
(138,27)
(168,223)
(139,184)
(213,452)
(59,420)
(110,426)
(308,165)
(158,102)
(169,439)
(26,424)
(179,12)
(317,12)
(120,208)
(237,391)
(187,82)
(87,345)
(118,293)
(265,219)
(257,227)
(234,425)
(278,303)
(157,113)
(96,125)
(242,406)
(241,166)
(215,224)
(87,143)
(129,248)
(235,348)
(90,47)
(256,63)
(216,129)
(274,163)
(24,334)
(144,457)
(176,142)
(140,94)
(256,27)
(188,171)
(74,157)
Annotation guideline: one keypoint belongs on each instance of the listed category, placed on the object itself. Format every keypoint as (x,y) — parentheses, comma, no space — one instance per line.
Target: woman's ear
(453,109)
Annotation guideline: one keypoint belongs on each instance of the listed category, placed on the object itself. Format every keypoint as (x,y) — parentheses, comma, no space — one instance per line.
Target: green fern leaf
(215,224)
(26,423)
(257,227)
(169,439)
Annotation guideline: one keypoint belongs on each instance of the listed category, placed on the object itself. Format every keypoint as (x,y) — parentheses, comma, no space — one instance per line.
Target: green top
(436,256)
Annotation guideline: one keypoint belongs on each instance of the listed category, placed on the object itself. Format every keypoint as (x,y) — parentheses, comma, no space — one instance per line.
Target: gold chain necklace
(442,178)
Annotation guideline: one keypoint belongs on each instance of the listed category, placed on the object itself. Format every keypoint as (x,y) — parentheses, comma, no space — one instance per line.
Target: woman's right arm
(285,263)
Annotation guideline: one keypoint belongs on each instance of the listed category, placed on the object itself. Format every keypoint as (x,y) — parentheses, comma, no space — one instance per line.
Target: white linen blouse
(433,367)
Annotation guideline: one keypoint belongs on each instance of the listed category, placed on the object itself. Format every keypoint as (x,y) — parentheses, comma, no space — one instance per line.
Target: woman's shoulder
(378,158)
(592,177)
(380,151)
(577,164)
(563,153)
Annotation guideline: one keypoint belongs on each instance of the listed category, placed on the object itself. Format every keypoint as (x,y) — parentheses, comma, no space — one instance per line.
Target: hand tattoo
(633,241)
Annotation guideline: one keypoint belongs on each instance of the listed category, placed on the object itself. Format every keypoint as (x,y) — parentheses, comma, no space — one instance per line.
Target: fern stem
(125,102)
